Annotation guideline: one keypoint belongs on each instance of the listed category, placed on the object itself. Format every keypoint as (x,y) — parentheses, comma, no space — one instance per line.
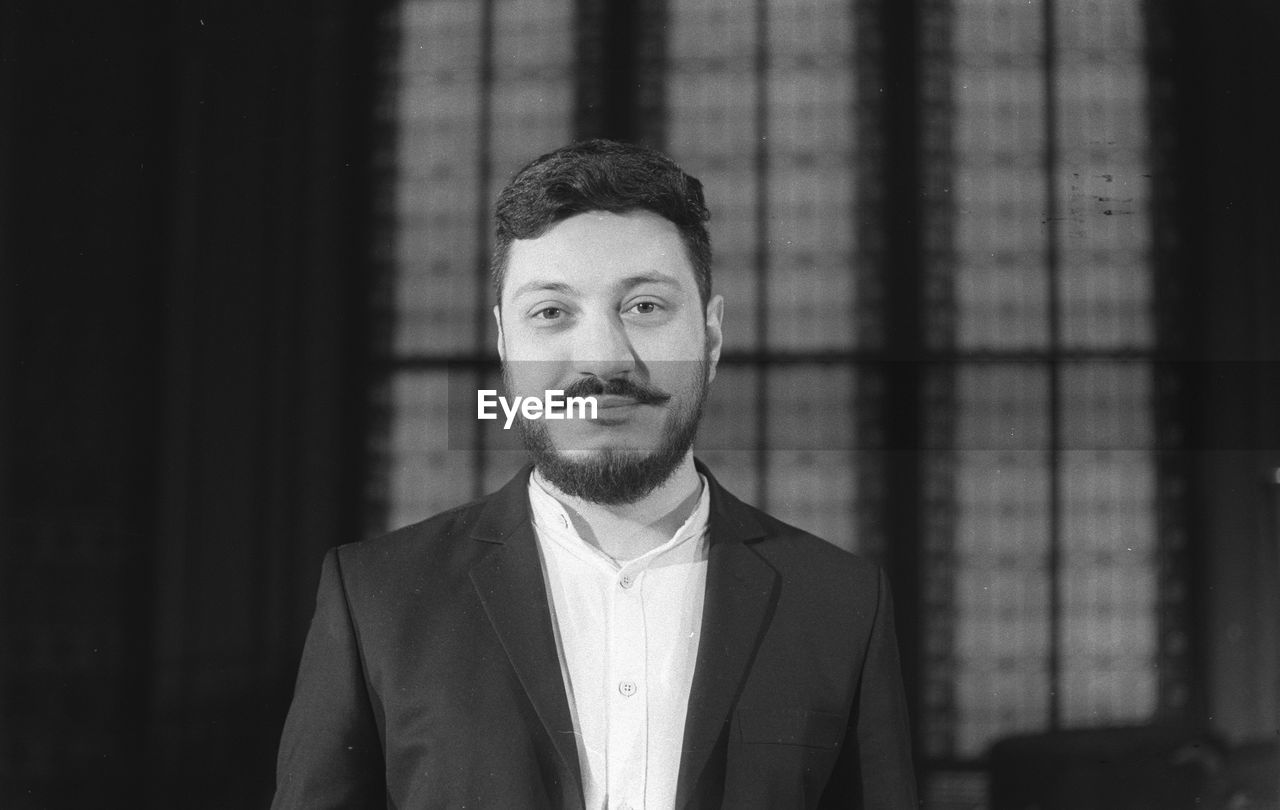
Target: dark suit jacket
(430,677)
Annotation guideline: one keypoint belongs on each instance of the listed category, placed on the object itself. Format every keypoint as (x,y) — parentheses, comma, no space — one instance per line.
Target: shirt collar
(552,523)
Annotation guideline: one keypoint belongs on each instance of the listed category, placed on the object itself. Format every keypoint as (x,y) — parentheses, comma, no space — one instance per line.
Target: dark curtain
(184,226)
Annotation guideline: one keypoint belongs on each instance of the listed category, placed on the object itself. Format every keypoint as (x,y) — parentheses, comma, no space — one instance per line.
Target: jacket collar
(741,591)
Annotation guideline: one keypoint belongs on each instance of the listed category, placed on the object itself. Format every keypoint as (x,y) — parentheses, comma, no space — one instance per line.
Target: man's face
(607,305)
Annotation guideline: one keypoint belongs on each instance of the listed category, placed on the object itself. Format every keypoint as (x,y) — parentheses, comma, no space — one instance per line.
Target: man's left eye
(645,307)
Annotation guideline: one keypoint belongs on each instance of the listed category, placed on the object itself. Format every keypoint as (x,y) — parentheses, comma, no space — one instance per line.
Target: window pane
(998,563)
(1104,186)
(812,482)
(1108,539)
(426,476)
(711,131)
(1000,284)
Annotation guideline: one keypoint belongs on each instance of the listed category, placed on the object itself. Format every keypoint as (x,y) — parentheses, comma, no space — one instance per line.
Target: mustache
(640,391)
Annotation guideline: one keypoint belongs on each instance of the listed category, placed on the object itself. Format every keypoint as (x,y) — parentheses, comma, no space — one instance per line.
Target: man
(611,629)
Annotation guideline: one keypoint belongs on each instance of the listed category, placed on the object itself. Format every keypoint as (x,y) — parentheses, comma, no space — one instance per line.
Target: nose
(602,347)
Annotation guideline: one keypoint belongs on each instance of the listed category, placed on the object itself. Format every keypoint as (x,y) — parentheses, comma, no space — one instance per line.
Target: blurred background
(1002,290)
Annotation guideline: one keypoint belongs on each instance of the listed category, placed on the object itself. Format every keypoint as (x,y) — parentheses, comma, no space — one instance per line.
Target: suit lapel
(741,591)
(510,585)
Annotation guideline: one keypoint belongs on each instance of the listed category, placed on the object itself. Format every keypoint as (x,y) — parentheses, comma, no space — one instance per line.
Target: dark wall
(185,209)
(1231,225)
(82,344)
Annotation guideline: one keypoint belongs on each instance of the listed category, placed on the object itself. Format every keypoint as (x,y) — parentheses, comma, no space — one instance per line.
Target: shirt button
(625,806)
(627,581)
(627,688)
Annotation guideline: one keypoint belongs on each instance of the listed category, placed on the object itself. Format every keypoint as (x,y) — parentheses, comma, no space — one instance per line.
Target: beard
(616,476)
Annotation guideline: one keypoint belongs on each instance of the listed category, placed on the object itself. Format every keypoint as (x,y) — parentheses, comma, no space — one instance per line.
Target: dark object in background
(1142,768)
(1137,768)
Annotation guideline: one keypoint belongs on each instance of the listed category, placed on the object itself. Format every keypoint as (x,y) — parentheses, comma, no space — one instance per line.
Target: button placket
(628,727)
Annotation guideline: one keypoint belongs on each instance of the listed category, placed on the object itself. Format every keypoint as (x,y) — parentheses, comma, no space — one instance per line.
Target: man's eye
(646,307)
(549,314)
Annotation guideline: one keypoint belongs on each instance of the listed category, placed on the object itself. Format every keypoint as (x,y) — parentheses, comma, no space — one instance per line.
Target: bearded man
(612,630)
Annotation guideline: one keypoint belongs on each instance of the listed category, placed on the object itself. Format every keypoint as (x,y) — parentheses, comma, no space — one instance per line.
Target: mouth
(615,410)
(613,402)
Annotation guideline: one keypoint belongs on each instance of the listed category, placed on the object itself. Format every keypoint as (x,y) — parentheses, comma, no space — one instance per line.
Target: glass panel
(711,131)
(436,184)
(812,483)
(1108,537)
(1103,176)
(1000,283)
(999,557)
(810,175)
(426,476)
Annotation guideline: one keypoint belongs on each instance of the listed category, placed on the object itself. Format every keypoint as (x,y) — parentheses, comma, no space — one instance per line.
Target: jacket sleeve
(330,754)
(875,769)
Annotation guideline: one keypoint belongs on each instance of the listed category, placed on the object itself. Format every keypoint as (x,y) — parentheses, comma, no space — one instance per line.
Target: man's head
(602,175)
(603,278)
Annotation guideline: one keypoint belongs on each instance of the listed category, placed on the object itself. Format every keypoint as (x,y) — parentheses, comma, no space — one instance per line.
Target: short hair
(602,175)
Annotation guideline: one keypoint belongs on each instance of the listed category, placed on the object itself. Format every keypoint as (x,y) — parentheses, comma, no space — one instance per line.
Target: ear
(715,333)
(502,344)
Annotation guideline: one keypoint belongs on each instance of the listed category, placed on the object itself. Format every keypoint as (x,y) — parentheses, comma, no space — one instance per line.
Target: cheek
(527,376)
(682,341)
(523,343)
(530,373)
(680,377)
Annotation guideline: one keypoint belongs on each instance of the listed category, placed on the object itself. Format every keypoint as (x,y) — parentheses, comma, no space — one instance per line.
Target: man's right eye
(548,314)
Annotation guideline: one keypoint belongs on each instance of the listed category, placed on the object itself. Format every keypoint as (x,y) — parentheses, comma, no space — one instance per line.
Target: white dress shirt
(627,634)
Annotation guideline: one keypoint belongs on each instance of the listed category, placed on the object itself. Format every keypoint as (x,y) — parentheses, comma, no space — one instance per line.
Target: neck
(627,531)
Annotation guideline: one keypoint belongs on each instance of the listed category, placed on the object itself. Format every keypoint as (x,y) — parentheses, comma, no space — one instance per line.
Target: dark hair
(601,175)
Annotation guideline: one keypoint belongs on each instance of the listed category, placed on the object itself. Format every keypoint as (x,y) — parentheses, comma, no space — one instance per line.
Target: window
(1048,563)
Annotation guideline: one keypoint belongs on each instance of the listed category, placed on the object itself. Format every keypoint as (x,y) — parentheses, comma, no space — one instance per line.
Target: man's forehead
(598,248)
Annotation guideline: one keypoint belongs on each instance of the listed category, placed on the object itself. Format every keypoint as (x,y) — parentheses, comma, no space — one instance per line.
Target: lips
(614,402)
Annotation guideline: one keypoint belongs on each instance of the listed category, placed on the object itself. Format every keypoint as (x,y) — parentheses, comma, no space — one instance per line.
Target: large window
(1052,587)
(941,277)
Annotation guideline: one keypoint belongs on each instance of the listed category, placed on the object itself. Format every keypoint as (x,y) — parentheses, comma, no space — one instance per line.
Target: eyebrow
(541,285)
(650,278)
